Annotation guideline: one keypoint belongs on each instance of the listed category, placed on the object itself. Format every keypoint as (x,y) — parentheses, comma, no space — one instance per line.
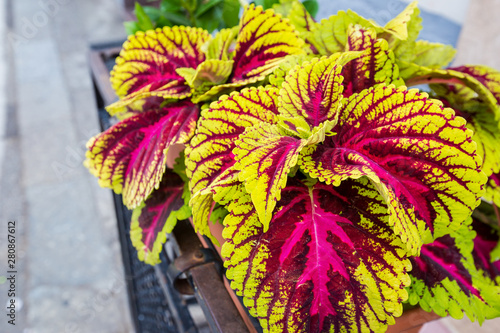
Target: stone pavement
(70,275)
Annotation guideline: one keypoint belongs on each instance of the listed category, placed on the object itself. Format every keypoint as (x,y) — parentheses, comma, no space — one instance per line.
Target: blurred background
(70,275)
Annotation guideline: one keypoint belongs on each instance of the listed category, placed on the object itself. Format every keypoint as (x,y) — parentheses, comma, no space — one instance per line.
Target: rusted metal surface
(218,306)
(186,262)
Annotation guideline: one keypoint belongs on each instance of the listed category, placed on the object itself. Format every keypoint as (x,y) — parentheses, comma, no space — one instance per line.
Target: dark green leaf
(170,6)
(230,12)
(177,18)
(206,6)
(143,19)
(163,22)
(153,13)
(210,20)
(311,6)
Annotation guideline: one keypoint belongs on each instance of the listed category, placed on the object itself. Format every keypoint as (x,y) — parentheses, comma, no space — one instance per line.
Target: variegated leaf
(418,154)
(329,262)
(210,151)
(445,280)
(375,65)
(425,75)
(485,242)
(140,106)
(330,35)
(303,22)
(489,77)
(278,76)
(264,158)
(492,192)
(264,40)
(147,63)
(157,216)
(479,120)
(130,157)
(313,91)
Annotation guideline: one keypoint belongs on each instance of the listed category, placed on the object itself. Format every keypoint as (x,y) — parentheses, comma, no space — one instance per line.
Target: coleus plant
(343,193)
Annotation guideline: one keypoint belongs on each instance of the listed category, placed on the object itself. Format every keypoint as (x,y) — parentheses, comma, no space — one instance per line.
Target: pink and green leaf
(209,154)
(313,91)
(489,77)
(445,280)
(157,216)
(479,120)
(425,75)
(130,157)
(418,154)
(148,61)
(330,35)
(264,158)
(140,106)
(328,263)
(486,135)
(375,65)
(263,41)
(492,192)
(303,22)
(485,243)
(278,76)
(220,190)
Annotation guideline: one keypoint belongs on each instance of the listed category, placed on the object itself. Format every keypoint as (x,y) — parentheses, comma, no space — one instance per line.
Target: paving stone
(72,246)
(65,309)
(12,204)
(52,153)
(68,30)
(31,22)
(3,79)
(36,61)
(102,25)
(42,101)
